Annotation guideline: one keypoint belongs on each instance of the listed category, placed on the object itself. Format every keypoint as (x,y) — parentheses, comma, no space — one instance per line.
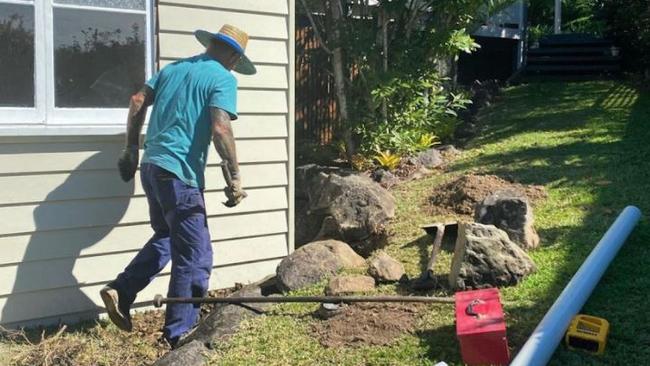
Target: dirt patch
(367,324)
(460,196)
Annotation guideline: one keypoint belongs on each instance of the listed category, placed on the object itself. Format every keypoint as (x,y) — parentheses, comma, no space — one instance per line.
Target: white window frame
(44,118)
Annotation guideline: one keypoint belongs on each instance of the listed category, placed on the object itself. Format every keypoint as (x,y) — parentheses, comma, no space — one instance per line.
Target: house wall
(68,224)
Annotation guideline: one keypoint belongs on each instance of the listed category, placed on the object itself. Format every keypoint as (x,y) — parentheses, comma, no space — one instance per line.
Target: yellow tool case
(587,333)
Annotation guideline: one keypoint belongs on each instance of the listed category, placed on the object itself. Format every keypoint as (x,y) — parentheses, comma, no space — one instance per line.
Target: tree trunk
(384,40)
(339,76)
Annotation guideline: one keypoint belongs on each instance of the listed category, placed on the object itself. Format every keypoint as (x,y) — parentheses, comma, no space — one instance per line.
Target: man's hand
(234,193)
(224,142)
(128,162)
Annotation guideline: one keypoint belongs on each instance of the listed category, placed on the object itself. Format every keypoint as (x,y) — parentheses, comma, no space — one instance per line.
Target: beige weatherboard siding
(68,224)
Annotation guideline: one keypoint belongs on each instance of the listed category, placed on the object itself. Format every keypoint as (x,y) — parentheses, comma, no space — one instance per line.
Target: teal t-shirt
(179,131)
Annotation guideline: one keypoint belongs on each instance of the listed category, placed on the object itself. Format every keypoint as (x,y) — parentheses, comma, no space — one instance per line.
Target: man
(194,101)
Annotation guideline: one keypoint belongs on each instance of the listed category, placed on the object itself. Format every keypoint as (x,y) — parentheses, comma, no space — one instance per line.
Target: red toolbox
(481,327)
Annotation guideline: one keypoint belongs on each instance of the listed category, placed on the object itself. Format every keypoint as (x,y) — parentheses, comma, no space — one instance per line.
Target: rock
(314,261)
(305,173)
(343,206)
(484,257)
(385,269)
(306,266)
(190,354)
(430,158)
(448,150)
(384,177)
(346,256)
(349,284)
(327,310)
(221,323)
(510,211)
(307,226)
(224,319)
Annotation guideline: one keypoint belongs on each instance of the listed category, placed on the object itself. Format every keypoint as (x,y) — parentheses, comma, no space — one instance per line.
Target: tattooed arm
(137,112)
(128,162)
(224,143)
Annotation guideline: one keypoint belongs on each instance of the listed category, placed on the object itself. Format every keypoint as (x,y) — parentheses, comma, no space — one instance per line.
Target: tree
(373,43)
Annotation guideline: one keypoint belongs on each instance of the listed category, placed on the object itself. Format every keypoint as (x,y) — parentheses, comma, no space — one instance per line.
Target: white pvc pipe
(549,332)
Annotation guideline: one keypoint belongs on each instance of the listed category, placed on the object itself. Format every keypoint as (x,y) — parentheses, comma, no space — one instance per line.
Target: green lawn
(589,144)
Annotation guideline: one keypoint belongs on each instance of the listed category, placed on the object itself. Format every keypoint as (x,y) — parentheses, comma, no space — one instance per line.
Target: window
(72,62)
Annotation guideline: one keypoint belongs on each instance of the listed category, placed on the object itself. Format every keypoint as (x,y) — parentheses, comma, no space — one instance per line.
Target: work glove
(128,162)
(235,193)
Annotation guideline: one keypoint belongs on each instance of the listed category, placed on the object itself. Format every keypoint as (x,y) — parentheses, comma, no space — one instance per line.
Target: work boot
(117,312)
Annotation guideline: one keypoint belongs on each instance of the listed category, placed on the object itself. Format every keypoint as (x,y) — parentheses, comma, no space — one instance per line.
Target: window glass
(120,4)
(99,57)
(16,55)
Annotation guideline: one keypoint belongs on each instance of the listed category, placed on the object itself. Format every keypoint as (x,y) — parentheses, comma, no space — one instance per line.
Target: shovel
(427,280)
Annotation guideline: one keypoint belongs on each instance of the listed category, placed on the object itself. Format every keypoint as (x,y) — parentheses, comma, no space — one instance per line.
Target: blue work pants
(179,222)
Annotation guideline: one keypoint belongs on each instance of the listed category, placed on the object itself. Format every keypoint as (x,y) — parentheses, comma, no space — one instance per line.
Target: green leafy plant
(415,107)
(426,141)
(387,160)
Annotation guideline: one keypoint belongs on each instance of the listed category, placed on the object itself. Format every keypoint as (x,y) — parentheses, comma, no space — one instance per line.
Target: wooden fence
(316,112)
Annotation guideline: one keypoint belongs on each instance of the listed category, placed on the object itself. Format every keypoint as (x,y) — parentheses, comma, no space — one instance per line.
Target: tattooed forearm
(223,139)
(137,112)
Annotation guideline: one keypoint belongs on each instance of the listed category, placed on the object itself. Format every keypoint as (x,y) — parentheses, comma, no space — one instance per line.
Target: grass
(587,143)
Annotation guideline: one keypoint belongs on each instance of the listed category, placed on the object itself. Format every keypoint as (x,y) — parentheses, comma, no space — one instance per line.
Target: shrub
(419,111)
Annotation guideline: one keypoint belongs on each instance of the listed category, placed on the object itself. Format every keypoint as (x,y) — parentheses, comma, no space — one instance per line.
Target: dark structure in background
(496,59)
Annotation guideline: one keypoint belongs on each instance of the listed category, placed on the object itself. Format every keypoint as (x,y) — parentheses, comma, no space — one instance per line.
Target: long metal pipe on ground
(159,300)
(549,332)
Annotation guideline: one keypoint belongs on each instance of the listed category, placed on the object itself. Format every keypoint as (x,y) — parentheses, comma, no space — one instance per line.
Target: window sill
(59,130)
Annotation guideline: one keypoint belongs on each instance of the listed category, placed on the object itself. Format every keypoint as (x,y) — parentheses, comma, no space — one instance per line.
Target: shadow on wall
(51,254)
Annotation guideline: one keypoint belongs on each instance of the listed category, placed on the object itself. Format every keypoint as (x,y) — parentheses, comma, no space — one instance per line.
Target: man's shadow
(36,271)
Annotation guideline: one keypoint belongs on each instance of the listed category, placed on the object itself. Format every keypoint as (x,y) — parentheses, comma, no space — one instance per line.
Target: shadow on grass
(599,164)
(436,343)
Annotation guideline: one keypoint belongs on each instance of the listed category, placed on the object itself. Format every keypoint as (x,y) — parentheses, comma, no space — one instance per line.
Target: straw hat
(235,38)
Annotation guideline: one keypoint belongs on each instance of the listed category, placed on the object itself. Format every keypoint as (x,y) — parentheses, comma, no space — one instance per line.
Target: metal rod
(159,300)
(539,348)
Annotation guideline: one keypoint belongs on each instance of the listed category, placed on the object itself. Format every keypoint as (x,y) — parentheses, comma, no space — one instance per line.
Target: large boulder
(349,284)
(509,210)
(485,257)
(337,204)
(306,266)
(384,268)
(312,262)
(345,255)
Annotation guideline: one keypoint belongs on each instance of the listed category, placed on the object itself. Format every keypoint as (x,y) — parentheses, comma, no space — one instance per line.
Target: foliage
(578,16)
(537,32)
(387,160)
(628,23)
(416,109)
(426,141)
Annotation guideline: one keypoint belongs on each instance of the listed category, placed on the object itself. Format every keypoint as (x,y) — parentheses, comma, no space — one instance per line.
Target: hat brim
(244,66)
